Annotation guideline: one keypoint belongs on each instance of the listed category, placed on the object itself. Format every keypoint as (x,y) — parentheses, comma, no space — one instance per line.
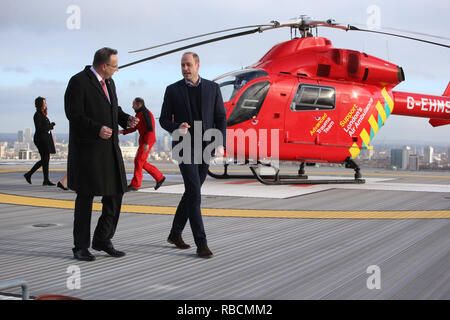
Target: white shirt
(96,74)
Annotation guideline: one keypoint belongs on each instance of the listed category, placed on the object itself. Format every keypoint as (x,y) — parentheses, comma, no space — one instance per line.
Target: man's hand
(105,132)
(184,128)
(132,122)
(145,147)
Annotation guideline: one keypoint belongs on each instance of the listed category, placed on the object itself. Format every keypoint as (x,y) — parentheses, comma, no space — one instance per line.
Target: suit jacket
(146,127)
(43,139)
(94,166)
(176,108)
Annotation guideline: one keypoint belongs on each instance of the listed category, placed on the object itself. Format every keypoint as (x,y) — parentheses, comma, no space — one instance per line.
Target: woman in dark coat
(43,140)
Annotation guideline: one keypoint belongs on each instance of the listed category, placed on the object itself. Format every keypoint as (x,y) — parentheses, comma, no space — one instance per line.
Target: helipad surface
(269,242)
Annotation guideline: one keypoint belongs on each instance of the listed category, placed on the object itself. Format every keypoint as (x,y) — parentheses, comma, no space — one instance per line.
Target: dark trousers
(45,159)
(106,225)
(189,207)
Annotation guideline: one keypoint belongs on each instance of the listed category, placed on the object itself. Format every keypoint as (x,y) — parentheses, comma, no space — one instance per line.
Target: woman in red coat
(43,140)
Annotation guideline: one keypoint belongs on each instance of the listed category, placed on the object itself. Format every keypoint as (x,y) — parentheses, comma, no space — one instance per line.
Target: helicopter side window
(249,103)
(309,97)
(231,83)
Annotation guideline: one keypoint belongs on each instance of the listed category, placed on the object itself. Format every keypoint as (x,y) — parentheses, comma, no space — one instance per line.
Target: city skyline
(412,157)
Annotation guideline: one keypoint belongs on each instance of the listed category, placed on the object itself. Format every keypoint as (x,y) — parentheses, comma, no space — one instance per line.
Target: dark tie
(102,82)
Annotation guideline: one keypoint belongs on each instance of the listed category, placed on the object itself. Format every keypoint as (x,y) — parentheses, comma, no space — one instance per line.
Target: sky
(46,42)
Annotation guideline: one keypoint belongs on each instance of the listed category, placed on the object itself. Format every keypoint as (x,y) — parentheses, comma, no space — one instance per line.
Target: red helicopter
(308,102)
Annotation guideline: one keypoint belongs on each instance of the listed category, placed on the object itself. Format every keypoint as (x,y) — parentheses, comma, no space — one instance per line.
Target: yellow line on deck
(247,213)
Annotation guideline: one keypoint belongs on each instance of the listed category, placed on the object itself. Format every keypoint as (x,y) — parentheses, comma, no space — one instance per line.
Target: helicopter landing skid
(225,175)
(283,179)
(300,178)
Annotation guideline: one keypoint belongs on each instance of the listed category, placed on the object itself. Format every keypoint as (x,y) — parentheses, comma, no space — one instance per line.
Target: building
(413,162)
(25,154)
(27,136)
(366,154)
(167,146)
(3,146)
(128,151)
(428,154)
(406,151)
(396,158)
(448,156)
(136,139)
(18,146)
(20,136)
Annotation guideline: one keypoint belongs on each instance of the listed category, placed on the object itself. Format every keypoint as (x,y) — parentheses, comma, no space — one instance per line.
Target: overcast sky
(45,42)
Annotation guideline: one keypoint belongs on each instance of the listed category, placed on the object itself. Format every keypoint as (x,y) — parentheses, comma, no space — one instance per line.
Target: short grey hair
(102,56)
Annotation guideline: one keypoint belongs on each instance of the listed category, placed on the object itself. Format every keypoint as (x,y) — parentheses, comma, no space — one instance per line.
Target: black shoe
(83,254)
(131,188)
(48,183)
(27,177)
(178,242)
(109,249)
(158,184)
(204,252)
(60,185)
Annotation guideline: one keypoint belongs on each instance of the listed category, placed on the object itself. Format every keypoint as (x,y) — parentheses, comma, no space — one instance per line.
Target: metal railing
(16,283)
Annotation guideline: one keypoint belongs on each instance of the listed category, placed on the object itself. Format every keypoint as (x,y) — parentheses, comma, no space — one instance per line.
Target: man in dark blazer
(187,103)
(95,166)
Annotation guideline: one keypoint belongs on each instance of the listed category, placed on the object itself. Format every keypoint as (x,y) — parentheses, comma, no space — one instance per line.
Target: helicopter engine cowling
(368,69)
(315,57)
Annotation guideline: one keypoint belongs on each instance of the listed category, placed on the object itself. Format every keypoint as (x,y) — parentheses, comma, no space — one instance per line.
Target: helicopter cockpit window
(249,103)
(231,83)
(310,97)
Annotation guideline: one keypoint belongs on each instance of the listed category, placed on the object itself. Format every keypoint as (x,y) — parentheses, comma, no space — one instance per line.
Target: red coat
(146,127)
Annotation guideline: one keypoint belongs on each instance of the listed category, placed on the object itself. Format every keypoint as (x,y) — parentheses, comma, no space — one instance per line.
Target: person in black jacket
(187,102)
(43,140)
(95,166)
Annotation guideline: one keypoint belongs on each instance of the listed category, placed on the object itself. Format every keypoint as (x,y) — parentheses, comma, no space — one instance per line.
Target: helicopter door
(308,119)
(249,104)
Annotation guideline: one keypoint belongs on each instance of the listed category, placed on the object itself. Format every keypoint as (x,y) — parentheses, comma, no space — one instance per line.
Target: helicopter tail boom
(436,108)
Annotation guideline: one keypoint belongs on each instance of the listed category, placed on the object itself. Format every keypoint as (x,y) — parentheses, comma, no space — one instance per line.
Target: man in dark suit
(187,103)
(95,165)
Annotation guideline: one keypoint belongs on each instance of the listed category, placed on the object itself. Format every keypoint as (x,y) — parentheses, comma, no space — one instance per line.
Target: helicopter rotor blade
(307,22)
(407,31)
(353,28)
(201,35)
(234,35)
(303,23)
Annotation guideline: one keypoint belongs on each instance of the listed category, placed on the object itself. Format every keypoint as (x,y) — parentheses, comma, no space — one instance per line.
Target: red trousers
(140,163)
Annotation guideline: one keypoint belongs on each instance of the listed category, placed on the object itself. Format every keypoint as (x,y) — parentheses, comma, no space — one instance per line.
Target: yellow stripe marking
(381,111)
(248,213)
(365,136)
(373,124)
(388,99)
(354,150)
